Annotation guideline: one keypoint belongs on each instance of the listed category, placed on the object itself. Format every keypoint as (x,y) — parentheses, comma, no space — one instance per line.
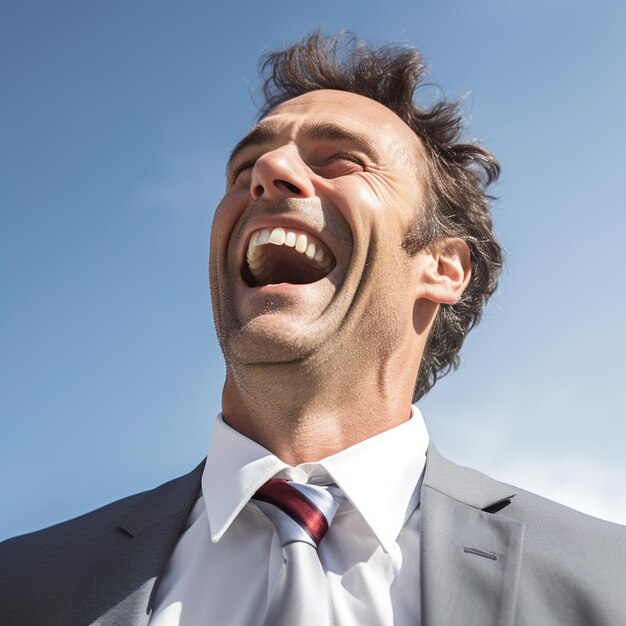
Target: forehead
(344,106)
(337,115)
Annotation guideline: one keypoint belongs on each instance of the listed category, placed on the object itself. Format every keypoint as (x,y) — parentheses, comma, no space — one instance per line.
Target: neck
(305,412)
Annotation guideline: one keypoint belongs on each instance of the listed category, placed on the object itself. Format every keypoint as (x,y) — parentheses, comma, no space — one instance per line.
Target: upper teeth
(302,242)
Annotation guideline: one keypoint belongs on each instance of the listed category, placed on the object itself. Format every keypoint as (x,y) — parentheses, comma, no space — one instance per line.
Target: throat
(299,414)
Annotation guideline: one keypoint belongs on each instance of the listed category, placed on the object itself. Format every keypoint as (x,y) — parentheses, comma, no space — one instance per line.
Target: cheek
(378,200)
(354,198)
(226,215)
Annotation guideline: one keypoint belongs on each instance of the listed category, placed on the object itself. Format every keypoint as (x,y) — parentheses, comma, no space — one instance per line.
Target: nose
(281,173)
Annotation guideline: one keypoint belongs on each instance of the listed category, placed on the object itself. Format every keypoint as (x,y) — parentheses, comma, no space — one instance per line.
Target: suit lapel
(470,558)
(149,531)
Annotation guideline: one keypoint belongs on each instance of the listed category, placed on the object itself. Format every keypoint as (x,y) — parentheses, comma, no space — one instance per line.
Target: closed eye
(237,170)
(347,156)
(339,164)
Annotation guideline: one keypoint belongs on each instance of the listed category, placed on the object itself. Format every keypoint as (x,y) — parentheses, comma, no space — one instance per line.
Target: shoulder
(80,538)
(48,570)
(541,517)
(493,496)
(567,563)
(78,534)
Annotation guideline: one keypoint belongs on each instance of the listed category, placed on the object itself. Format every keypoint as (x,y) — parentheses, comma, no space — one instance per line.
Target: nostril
(290,186)
(282,186)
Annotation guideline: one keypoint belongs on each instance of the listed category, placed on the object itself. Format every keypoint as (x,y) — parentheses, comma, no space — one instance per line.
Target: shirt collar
(380,476)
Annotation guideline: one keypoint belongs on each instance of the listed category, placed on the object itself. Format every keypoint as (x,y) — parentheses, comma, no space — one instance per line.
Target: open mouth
(281,255)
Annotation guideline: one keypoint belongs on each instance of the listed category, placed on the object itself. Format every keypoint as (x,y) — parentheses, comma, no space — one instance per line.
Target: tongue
(284,265)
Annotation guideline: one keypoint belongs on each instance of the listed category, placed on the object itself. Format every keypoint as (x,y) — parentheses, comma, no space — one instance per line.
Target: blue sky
(116,119)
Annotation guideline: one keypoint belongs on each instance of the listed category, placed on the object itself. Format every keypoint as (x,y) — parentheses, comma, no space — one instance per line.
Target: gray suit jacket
(490,554)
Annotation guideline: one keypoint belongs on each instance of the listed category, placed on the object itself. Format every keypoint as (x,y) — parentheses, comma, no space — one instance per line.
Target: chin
(271,338)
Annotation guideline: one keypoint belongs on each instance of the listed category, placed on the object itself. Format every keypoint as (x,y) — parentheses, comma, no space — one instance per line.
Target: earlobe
(447,271)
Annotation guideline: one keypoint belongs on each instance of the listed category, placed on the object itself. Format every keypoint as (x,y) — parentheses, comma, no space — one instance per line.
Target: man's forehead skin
(350,111)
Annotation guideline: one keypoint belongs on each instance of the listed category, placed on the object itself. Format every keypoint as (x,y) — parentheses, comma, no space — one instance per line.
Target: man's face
(333,180)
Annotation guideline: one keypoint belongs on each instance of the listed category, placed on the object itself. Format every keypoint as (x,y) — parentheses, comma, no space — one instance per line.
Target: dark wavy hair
(459,172)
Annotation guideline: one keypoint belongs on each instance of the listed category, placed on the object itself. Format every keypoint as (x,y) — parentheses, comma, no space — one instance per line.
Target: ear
(446,271)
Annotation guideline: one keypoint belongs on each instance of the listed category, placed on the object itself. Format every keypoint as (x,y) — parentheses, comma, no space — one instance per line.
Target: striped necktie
(301,515)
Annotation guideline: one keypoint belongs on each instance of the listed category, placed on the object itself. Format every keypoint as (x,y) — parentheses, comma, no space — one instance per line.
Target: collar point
(388,546)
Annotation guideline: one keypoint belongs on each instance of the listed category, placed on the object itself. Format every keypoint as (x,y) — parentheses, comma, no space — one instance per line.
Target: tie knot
(298,512)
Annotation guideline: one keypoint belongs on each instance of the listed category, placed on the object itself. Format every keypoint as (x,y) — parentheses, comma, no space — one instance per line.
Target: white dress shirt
(226,563)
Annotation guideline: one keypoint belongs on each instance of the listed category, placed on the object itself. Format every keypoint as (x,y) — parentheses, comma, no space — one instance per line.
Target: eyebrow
(329,131)
(260,135)
(265,134)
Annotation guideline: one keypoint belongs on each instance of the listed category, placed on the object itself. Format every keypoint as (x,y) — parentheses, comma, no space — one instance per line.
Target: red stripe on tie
(280,493)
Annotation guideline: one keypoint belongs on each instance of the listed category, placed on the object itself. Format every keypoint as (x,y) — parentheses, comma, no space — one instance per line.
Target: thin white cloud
(575,482)
(527,449)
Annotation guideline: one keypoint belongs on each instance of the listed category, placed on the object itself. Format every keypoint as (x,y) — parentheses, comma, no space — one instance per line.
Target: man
(351,254)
